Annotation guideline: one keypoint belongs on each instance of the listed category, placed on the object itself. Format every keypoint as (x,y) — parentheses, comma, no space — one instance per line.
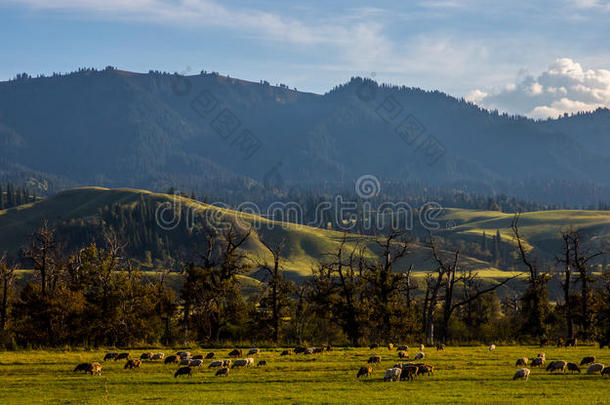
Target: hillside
(210,132)
(305,245)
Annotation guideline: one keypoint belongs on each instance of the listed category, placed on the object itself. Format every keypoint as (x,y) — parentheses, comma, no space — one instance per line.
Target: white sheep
(522,374)
(492,348)
(392,374)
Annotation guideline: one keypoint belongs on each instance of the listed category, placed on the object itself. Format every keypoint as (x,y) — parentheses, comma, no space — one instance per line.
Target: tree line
(13,196)
(94,295)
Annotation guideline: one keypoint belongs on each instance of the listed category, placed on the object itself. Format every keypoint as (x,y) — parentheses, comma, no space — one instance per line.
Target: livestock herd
(558,365)
(185,361)
(401,371)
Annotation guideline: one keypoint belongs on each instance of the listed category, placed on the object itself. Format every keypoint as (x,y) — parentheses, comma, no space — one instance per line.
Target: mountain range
(157,130)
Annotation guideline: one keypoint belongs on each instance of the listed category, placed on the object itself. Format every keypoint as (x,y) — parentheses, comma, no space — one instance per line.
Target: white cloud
(601,5)
(210,13)
(565,87)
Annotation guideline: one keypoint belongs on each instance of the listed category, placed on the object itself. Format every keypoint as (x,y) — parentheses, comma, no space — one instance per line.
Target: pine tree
(497,252)
(10,196)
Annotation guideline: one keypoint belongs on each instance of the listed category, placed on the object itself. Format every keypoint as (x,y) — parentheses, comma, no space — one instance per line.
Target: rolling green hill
(305,245)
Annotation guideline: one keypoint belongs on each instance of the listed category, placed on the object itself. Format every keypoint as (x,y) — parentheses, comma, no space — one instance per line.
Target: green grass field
(462,375)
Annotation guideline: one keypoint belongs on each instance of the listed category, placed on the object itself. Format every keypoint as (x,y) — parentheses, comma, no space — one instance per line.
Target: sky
(537,58)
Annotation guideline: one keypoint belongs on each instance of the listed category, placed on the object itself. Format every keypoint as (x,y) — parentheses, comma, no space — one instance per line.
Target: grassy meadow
(462,375)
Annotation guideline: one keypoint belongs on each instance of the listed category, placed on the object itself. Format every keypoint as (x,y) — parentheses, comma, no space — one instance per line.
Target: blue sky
(498,54)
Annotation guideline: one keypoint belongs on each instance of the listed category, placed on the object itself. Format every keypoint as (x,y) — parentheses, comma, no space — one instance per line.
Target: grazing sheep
(210,355)
(96,368)
(425,369)
(132,363)
(403,348)
(403,355)
(605,371)
(240,363)
(222,371)
(183,371)
(197,357)
(215,363)
(365,371)
(573,367)
(374,360)
(392,374)
(420,356)
(492,348)
(195,363)
(261,363)
(286,353)
(557,365)
(253,351)
(226,363)
(595,368)
(390,346)
(309,350)
(440,347)
(587,360)
(522,374)
(110,356)
(158,356)
(185,362)
(571,342)
(86,367)
(146,356)
(538,362)
(421,347)
(171,359)
(521,362)
(299,349)
(374,346)
(121,356)
(235,353)
(182,355)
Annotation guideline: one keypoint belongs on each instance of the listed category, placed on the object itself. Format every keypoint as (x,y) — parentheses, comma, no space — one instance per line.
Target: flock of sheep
(399,372)
(558,365)
(184,359)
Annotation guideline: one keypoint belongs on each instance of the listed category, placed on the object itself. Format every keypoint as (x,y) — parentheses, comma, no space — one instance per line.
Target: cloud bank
(565,87)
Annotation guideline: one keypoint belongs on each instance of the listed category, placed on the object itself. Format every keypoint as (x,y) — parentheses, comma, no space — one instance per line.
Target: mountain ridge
(148,130)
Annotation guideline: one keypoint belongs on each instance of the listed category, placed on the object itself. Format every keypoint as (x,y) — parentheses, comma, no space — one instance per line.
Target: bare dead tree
(535,297)
(582,257)
(275,280)
(7,278)
(42,251)
(449,269)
